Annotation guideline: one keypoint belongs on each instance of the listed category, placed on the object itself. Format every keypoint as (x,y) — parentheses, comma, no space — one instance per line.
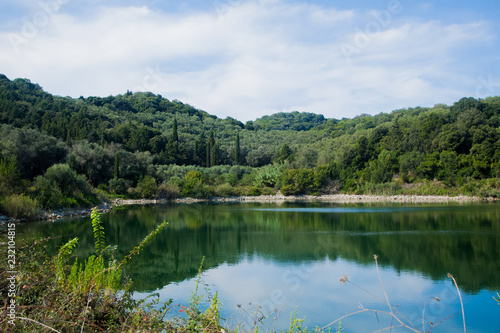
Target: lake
(268,260)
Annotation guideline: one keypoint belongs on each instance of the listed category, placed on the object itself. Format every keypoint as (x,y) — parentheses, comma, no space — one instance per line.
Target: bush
(224,190)
(20,206)
(247,191)
(61,186)
(9,176)
(194,186)
(269,175)
(117,186)
(168,191)
(301,181)
(147,187)
(267,191)
(46,193)
(227,178)
(332,186)
(198,191)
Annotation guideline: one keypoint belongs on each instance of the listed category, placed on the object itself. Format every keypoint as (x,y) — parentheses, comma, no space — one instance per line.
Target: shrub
(247,191)
(147,187)
(224,190)
(332,186)
(227,178)
(20,206)
(199,191)
(47,194)
(269,175)
(254,191)
(61,186)
(117,186)
(9,176)
(168,191)
(194,186)
(301,181)
(267,191)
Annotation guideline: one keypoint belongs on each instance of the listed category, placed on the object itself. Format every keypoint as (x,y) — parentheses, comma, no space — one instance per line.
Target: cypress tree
(175,135)
(215,154)
(237,150)
(211,150)
(68,138)
(116,173)
(195,152)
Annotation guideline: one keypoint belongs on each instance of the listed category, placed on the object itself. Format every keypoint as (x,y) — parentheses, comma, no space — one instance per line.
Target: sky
(249,58)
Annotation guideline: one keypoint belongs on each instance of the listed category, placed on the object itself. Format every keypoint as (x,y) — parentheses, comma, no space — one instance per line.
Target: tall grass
(20,206)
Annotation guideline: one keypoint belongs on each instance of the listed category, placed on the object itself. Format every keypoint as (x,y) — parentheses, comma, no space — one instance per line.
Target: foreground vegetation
(60,294)
(63,152)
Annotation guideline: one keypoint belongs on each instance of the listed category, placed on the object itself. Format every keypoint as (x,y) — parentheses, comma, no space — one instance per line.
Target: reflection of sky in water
(315,289)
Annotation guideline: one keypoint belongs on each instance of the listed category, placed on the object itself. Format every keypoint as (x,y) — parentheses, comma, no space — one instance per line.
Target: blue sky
(245,59)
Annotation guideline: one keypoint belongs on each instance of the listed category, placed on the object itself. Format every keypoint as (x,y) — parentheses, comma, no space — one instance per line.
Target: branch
(36,322)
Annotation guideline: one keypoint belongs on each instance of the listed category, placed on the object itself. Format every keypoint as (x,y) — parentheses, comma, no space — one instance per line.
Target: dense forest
(64,152)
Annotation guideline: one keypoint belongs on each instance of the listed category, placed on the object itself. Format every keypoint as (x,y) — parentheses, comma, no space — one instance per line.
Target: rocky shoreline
(336,198)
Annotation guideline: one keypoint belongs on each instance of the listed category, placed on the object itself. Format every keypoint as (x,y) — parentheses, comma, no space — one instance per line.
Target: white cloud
(248,58)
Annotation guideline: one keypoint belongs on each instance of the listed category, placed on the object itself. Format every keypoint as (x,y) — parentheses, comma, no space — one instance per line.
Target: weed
(64,296)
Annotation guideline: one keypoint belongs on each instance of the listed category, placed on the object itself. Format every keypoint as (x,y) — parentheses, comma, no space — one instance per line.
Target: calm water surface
(269,259)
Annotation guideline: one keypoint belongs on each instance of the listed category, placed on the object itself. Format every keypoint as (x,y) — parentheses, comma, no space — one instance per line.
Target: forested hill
(136,135)
(296,121)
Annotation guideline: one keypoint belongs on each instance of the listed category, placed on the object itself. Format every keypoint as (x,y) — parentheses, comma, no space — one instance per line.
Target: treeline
(143,145)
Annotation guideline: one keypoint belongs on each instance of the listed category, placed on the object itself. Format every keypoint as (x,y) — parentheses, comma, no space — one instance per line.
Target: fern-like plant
(145,241)
(93,273)
(98,230)
(62,255)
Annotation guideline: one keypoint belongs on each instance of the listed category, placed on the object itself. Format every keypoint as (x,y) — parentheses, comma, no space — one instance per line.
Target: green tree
(286,154)
(194,185)
(362,153)
(212,150)
(116,171)
(408,164)
(429,166)
(449,167)
(147,187)
(394,138)
(175,134)
(35,152)
(237,150)
(61,186)
(382,169)
(93,161)
(10,178)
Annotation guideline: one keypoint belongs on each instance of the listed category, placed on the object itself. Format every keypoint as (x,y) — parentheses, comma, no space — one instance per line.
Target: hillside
(126,143)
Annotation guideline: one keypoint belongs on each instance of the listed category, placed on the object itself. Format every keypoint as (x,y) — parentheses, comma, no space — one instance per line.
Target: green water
(293,254)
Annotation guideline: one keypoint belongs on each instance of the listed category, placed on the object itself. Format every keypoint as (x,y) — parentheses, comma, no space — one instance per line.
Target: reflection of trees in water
(434,241)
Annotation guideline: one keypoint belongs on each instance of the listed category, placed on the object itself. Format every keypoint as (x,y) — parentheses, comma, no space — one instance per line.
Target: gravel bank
(338,198)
